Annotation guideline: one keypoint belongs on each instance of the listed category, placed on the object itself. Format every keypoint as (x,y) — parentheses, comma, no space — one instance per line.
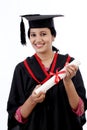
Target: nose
(38,39)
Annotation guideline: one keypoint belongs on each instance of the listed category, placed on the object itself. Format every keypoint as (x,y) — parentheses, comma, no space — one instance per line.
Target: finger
(71,69)
(40,98)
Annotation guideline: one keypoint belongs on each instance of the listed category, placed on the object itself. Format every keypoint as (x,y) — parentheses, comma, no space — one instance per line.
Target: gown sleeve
(80,108)
(16,95)
(80,88)
(19,117)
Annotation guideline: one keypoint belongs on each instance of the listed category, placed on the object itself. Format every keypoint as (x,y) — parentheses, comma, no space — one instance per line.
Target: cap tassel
(22,33)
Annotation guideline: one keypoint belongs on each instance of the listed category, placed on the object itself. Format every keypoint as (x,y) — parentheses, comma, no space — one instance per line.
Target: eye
(43,34)
(32,34)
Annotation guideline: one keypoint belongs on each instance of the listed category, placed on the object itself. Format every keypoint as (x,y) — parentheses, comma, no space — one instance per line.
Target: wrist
(32,101)
(67,80)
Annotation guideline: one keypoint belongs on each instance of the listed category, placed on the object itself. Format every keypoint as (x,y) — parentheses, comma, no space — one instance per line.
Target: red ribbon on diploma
(57,77)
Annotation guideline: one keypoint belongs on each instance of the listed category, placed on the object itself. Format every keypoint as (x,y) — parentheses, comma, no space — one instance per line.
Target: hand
(37,98)
(70,71)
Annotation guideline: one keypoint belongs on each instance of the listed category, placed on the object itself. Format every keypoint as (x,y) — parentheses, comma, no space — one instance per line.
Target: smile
(39,45)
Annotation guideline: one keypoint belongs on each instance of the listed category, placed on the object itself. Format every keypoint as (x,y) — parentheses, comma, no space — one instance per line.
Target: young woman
(62,106)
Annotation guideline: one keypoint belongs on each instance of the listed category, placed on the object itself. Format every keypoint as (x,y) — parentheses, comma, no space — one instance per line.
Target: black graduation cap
(37,21)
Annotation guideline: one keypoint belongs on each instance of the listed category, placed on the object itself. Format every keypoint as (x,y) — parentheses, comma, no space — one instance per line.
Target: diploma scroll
(51,82)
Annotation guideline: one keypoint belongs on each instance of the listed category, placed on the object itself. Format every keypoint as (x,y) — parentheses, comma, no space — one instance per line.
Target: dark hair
(52,29)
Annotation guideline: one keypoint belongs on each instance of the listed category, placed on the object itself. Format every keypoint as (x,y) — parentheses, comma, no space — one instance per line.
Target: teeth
(39,45)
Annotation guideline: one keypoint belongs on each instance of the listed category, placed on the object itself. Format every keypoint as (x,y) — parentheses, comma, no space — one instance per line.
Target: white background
(71,38)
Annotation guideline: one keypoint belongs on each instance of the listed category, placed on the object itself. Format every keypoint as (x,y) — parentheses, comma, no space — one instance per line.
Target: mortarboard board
(37,21)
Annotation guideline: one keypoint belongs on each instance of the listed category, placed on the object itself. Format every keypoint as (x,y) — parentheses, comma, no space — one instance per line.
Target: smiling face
(41,39)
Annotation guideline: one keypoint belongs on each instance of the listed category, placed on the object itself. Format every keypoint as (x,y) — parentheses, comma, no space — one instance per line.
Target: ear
(53,38)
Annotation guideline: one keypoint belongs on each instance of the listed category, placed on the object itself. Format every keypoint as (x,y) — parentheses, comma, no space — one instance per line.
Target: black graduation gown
(54,113)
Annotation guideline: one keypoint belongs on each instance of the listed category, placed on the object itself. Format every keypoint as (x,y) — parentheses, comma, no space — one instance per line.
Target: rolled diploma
(51,82)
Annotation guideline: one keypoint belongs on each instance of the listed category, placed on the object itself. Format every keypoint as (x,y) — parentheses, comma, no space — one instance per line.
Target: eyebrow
(39,32)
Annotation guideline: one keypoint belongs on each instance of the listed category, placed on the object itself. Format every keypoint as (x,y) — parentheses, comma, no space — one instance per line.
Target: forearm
(24,111)
(27,107)
(73,97)
(31,102)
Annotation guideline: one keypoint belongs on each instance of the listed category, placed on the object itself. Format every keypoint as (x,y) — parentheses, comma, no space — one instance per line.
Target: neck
(46,59)
(46,56)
